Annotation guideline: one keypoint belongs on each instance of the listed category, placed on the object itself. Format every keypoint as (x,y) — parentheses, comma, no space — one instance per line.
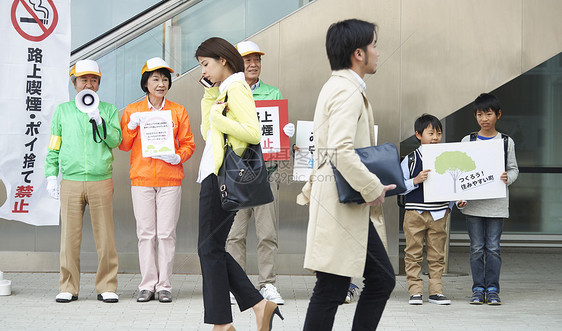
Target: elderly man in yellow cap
(81,145)
(266,215)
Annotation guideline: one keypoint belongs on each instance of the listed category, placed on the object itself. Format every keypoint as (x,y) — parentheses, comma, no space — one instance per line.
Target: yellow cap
(248,47)
(85,67)
(154,64)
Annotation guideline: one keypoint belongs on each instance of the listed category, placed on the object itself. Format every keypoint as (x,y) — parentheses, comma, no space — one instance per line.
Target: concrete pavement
(531,293)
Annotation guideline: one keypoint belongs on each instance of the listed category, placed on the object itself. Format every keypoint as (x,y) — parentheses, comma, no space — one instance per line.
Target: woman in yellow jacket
(222,64)
(156,181)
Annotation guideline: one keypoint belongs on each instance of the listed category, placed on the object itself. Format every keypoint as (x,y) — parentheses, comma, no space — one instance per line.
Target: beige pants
(74,196)
(157,210)
(266,233)
(417,229)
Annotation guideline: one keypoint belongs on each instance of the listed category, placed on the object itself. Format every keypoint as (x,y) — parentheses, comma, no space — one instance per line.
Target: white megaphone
(87,101)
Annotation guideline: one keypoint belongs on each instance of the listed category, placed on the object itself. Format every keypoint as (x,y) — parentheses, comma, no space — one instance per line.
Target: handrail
(131,29)
(541,170)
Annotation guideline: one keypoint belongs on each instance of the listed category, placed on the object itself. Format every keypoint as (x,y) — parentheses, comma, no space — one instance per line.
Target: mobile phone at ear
(207,83)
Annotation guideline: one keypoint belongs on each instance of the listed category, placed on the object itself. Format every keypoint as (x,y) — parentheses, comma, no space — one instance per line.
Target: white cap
(248,47)
(154,64)
(85,67)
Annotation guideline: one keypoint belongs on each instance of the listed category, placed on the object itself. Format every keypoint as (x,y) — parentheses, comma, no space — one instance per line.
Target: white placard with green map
(464,171)
(157,133)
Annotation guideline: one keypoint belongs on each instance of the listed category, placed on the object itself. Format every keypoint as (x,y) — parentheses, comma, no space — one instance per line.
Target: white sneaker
(232,299)
(416,299)
(439,299)
(352,292)
(65,297)
(270,293)
(108,297)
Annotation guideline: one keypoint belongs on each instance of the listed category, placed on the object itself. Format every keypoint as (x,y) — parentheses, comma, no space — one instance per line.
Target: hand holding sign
(289,130)
(136,119)
(172,159)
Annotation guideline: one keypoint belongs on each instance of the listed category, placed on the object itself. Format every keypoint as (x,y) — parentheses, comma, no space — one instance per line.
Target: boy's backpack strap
(505,141)
(505,144)
(411,162)
(505,138)
(400,198)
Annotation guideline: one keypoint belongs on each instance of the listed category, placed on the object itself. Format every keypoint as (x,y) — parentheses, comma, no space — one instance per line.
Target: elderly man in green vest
(265,215)
(80,148)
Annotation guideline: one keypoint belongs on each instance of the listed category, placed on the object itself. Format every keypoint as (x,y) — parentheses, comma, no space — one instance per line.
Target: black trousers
(221,273)
(330,291)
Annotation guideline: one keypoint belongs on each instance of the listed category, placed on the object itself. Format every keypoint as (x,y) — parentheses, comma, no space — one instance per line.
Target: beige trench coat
(337,233)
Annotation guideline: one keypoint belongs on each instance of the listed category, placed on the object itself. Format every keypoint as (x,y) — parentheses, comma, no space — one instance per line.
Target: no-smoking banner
(34,20)
(37,59)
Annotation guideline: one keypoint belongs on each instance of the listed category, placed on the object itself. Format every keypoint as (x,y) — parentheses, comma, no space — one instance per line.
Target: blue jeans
(485,259)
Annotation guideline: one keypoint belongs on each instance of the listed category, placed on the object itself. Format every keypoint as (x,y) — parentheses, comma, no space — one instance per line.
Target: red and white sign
(34,20)
(273,116)
(35,64)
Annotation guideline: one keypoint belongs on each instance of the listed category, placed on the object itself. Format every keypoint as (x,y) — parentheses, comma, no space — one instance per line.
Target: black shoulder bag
(243,181)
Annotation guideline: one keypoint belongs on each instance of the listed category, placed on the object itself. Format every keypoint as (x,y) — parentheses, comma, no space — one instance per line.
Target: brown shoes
(267,321)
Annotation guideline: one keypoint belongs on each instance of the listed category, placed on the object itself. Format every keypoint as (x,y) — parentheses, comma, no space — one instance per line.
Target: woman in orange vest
(156,180)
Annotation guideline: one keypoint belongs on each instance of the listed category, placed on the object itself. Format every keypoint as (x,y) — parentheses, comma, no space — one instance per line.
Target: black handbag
(383,161)
(243,181)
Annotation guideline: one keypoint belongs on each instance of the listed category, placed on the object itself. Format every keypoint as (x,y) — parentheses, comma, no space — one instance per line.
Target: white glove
(136,119)
(172,159)
(95,115)
(53,187)
(289,130)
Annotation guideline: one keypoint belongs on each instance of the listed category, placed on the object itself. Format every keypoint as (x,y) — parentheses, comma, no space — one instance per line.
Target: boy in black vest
(424,221)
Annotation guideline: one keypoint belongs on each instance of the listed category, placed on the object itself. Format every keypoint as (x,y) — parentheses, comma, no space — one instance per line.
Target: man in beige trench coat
(341,239)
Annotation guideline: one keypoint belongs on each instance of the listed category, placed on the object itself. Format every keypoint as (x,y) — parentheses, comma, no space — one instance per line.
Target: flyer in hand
(157,133)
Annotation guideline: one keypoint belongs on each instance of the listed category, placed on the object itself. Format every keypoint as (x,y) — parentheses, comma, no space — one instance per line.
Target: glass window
(175,40)
(261,13)
(222,18)
(89,19)
(232,20)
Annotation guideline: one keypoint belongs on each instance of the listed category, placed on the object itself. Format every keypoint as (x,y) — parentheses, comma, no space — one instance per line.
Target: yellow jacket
(240,125)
